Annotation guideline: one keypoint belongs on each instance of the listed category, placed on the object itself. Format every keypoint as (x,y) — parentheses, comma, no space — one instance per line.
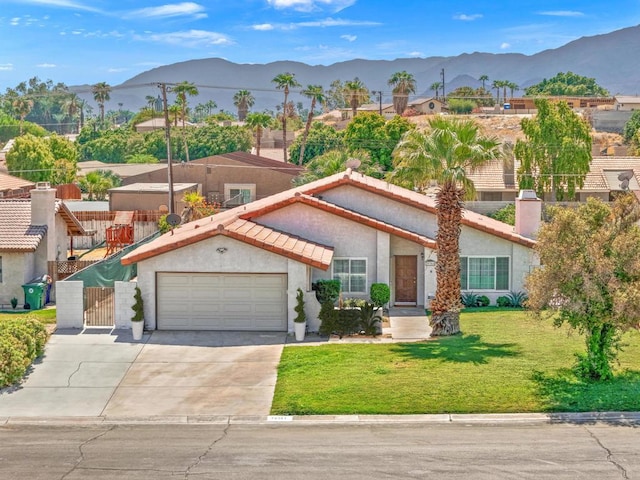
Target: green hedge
(21,342)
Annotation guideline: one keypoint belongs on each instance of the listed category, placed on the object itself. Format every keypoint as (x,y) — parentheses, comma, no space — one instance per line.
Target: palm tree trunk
(445,319)
(284,124)
(307,127)
(258,138)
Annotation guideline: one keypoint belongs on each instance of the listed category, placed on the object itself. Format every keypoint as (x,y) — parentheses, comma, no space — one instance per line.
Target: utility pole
(379,94)
(167,135)
(444,97)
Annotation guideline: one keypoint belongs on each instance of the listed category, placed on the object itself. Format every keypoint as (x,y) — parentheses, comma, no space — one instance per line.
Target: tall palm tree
(483,79)
(183,90)
(497,85)
(22,106)
(210,105)
(403,84)
(316,94)
(101,94)
(151,102)
(356,93)
(284,82)
(244,100)
(71,107)
(450,150)
(513,87)
(258,121)
(435,86)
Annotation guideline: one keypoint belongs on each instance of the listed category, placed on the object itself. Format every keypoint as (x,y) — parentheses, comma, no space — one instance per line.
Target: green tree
(316,94)
(356,94)
(284,82)
(556,154)
(243,100)
(65,155)
(22,106)
(335,96)
(95,184)
(590,277)
(9,129)
(402,84)
(483,79)
(215,139)
(30,158)
(257,122)
(632,126)
(461,106)
(101,94)
(568,84)
(435,87)
(445,153)
(335,161)
(322,138)
(183,90)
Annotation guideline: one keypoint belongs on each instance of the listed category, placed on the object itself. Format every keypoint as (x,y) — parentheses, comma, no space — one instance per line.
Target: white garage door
(217,301)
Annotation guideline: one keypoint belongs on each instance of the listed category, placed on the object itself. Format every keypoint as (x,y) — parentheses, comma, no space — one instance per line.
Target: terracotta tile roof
(290,246)
(491,177)
(345,213)
(226,222)
(16,232)
(9,182)
(596,179)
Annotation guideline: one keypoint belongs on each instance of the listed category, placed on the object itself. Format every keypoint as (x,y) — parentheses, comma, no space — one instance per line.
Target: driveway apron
(98,373)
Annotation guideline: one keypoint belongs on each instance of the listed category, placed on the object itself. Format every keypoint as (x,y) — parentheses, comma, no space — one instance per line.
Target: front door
(406,280)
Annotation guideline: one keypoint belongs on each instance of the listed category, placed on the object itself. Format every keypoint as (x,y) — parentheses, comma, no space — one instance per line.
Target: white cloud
(6,67)
(327,22)
(349,38)
(416,54)
(190,38)
(263,27)
(62,4)
(14,21)
(312,5)
(170,10)
(467,18)
(505,45)
(116,70)
(46,65)
(562,13)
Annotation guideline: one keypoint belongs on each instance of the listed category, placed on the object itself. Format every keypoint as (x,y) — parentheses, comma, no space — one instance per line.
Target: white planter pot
(300,329)
(136,329)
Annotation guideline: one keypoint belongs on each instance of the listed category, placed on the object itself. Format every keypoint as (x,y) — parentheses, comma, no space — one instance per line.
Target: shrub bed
(21,342)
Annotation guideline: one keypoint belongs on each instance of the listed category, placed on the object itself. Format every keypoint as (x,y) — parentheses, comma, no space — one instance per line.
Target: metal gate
(99,306)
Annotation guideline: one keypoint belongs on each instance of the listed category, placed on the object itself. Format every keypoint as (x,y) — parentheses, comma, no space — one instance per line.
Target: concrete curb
(619,418)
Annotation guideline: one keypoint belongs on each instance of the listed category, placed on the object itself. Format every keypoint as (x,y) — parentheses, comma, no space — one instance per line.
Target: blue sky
(89,41)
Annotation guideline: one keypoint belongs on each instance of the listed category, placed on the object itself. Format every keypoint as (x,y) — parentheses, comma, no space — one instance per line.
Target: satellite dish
(624,184)
(353,163)
(628,175)
(174,219)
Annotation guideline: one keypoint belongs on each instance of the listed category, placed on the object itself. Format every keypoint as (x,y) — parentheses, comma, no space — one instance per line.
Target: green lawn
(47,316)
(505,361)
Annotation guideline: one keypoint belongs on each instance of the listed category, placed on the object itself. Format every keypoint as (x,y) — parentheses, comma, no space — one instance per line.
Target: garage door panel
(204,301)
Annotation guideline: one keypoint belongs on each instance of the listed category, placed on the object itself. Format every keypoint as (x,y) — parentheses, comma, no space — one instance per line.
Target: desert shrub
(506,214)
(380,294)
(21,342)
(368,319)
(483,301)
(469,299)
(517,299)
(353,302)
(327,290)
(503,302)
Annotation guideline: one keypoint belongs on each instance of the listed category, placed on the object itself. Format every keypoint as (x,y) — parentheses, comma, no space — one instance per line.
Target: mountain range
(609,58)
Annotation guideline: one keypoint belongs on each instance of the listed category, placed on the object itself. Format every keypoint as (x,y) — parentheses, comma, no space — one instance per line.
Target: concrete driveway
(102,373)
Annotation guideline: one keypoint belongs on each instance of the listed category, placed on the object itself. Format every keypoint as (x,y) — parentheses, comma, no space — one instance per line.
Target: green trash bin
(34,295)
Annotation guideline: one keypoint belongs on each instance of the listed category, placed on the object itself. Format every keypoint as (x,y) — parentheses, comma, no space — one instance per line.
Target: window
(484,273)
(239,194)
(352,273)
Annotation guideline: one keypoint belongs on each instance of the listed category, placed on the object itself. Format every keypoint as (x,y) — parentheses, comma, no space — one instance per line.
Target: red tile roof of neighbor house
(307,251)
(16,232)
(9,182)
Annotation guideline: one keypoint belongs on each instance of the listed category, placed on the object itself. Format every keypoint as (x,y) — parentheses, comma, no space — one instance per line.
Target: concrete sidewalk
(94,373)
(408,324)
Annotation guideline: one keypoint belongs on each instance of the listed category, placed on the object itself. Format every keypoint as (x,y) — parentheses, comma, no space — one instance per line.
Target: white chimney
(43,212)
(528,213)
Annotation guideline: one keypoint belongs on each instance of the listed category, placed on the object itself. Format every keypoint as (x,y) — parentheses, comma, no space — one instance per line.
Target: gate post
(70,304)
(124,300)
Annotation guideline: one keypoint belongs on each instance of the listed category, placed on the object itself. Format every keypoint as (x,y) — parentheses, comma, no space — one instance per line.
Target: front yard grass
(505,361)
(46,316)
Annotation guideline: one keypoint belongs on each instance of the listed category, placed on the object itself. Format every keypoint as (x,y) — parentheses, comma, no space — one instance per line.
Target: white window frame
(346,288)
(495,273)
(251,187)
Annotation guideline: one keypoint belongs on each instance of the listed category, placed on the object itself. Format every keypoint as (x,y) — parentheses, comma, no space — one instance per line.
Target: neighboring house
(626,102)
(32,233)
(427,106)
(158,124)
(123,170)
(14,187)
(528,103)
(149,196)
(497,181)
(240,269)
(229,179)
(386,109)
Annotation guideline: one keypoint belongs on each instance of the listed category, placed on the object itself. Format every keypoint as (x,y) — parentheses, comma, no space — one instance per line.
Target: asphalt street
(300,450)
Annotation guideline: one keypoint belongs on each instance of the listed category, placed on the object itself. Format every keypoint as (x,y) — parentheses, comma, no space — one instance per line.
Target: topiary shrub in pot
(300,322)
(137,321)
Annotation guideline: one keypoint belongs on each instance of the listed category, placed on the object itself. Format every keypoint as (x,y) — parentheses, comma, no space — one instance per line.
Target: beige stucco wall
(203,257)
(15,268)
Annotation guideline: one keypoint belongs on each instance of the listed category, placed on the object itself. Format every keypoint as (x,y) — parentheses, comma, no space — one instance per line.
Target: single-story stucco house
(240,269)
